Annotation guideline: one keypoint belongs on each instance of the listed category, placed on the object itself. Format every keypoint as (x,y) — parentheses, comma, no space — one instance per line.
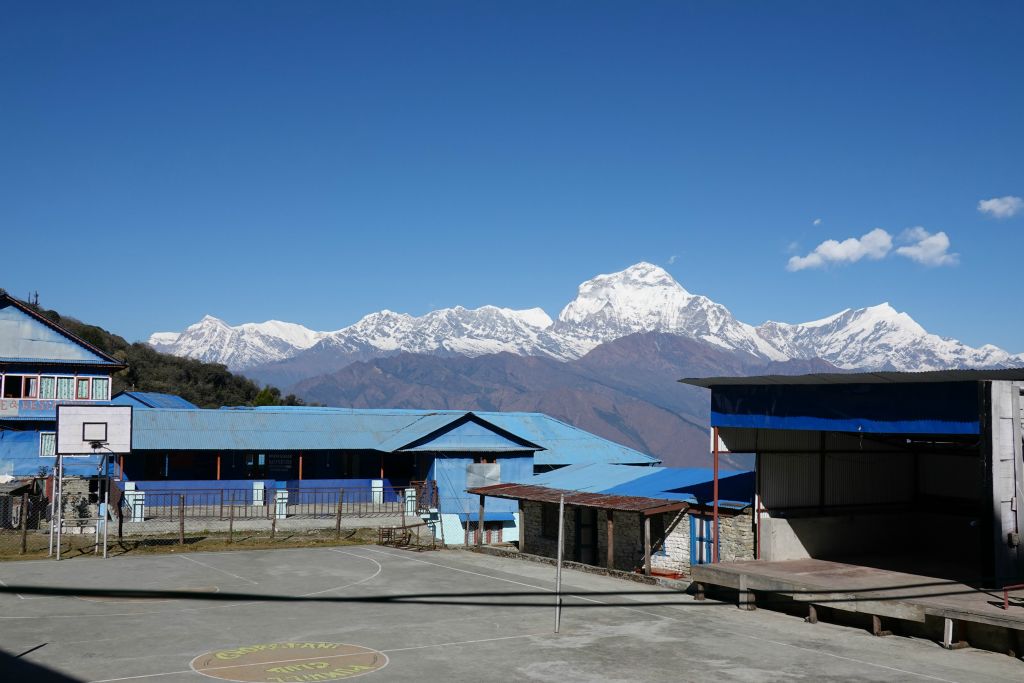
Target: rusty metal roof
(543,494)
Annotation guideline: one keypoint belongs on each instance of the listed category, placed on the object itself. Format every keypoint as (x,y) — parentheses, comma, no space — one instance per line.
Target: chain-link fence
(24,523)
(136,520)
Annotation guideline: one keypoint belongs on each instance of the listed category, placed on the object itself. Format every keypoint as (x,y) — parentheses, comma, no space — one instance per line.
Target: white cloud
(1001,207)
(873,245)
(817,221)
(672,259)
(926,248)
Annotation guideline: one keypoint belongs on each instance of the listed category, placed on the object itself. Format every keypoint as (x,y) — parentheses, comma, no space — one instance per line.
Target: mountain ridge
(641,298)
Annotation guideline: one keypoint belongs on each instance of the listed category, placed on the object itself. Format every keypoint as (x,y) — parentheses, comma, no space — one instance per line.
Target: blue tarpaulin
(933,408)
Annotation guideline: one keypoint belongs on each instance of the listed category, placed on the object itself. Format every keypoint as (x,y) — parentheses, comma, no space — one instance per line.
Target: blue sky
(316,161)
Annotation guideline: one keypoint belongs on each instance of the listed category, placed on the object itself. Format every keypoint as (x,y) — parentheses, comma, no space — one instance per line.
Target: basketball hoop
(84,430)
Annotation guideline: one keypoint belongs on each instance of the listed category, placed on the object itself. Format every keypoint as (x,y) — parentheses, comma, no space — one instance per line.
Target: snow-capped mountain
(461,331)
(879,338)
(241,346)
(641,298)
(645,298)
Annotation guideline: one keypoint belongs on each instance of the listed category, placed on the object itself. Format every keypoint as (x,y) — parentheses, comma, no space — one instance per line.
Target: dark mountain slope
(625,390)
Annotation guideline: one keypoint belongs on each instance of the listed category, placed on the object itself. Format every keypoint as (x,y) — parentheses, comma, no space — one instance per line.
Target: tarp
(932,408)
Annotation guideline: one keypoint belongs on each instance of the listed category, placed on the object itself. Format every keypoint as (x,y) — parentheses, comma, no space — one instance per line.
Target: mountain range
(608,363)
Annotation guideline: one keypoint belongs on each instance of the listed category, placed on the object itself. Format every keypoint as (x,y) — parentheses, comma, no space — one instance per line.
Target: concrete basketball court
(391,615)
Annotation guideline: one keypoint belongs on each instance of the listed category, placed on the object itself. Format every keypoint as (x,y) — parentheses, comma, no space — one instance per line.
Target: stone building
(657,520)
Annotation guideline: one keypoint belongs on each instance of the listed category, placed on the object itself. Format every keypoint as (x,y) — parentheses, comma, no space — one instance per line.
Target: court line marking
(380,568)
(190,609)
(671,618)
(210,566)
(4,584)
(384,652)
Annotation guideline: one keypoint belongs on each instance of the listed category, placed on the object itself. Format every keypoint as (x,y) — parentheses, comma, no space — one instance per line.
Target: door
(701,537)
(586,535)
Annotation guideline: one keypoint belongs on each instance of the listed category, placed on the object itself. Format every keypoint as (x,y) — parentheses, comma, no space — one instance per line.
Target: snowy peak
(458,330)
(641,298)
(639,293)
(645,298)
(213,340)
(878,337)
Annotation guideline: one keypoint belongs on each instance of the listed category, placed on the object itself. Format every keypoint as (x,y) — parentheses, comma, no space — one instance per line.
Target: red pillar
(300,465)
(714,547)
(218,467)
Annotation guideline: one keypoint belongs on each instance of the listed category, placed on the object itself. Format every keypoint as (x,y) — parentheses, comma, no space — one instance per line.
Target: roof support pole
(610,519)
(757,506)
(714,545)
(300,465)
(480,525)
(218,465)
(558,566)
(647,545)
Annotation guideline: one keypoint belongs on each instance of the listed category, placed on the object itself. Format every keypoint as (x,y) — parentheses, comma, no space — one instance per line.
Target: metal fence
(21,518)
(210,517)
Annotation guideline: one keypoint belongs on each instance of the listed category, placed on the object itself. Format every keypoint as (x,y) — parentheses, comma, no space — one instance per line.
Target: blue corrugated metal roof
(314,428)
(471,436)
(28,337)
(152,399)
(564,444)
(690,484)
(593,477)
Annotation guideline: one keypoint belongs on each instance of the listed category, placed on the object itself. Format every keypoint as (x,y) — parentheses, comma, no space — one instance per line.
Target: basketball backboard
(83,430)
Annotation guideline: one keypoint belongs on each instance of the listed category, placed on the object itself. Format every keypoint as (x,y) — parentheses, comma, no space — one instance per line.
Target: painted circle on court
(294,662)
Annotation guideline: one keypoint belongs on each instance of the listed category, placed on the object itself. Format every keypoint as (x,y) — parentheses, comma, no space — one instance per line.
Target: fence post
(222,503)
(24,523)
(181,519)
(337,513)
(273,517)
(120,518)
(231,519)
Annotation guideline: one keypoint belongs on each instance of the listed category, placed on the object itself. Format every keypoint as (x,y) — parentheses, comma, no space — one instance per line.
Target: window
(82,390)
(47,387)
(47,444)
(65,387)
(100,386)
(12,386)
(658,536)
(549,521)
(31,387)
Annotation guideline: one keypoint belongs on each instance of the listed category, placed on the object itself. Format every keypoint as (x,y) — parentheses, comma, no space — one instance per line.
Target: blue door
(701,538)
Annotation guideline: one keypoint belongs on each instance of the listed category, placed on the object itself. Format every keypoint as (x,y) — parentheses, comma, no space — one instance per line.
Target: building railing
(305,503)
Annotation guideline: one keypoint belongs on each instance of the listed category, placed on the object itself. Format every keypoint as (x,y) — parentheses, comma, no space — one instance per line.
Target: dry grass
(75,546)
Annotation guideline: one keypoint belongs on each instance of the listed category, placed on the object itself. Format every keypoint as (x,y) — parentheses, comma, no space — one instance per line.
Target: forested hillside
(208,385)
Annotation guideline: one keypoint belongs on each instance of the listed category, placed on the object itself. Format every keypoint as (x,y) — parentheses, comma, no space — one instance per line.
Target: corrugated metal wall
(860,478)
(789,479)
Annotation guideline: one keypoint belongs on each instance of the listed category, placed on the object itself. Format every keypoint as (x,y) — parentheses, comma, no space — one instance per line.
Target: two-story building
(42,364)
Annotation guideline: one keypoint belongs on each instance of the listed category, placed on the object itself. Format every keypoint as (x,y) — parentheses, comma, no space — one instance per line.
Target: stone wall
(736,539)
(75,499)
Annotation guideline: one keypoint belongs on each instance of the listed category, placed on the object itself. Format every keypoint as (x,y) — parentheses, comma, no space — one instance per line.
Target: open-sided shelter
(918,471)
(650,519)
